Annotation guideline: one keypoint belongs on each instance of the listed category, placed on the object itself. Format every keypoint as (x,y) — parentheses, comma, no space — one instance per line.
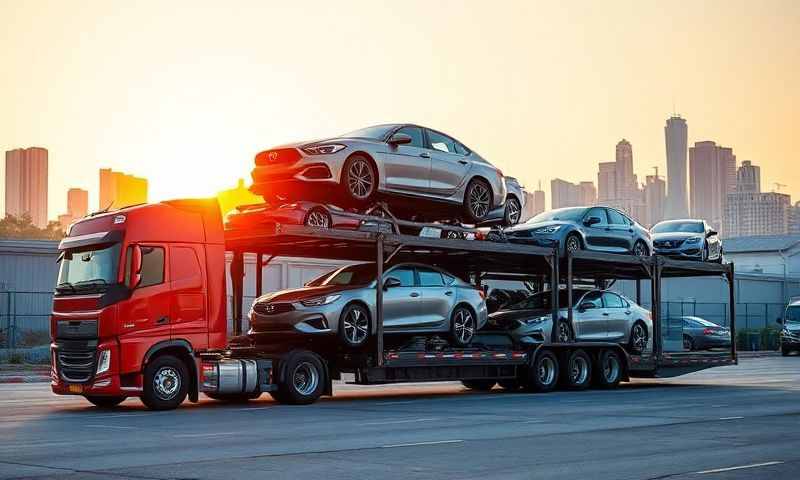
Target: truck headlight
(103,361)
(550,229)
(319,301)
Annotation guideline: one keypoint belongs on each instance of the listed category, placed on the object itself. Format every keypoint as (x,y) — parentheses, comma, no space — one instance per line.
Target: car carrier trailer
(100,351)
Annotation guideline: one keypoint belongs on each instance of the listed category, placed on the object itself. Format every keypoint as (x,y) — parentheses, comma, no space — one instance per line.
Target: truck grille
(76,360)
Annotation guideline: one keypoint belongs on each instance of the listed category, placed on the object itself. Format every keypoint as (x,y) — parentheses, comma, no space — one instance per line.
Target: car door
(590,324)
(438,299)
(449,163)
(401,304)
(597,234)
(407,167)
(620,229)
(618,316)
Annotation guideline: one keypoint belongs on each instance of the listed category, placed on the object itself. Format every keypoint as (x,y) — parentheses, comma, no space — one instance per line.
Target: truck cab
(140,292)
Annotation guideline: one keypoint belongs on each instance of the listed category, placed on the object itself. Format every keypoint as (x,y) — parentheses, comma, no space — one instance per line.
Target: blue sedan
(598,228)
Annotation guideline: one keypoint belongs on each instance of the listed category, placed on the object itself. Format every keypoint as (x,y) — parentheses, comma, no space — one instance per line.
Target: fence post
(12,325)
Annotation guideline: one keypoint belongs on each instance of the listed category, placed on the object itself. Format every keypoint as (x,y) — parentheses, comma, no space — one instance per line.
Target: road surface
(731,422)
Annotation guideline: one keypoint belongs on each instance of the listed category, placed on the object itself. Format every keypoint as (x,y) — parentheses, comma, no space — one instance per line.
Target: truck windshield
(793,314)
(88,271)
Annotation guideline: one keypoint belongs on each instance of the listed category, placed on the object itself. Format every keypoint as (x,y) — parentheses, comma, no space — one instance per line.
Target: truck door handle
(425,155)
(448,293)
(414,294)
(162,321)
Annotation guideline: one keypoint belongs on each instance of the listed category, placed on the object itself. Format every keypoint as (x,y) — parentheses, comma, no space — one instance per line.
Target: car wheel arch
(469,307)
(371,160)
(370,312)
(492,193)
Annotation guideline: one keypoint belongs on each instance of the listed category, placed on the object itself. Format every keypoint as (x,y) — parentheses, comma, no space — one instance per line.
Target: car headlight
(550,229)
(319,301)
(536,320)
(325,149)
(694,239)
(103,362)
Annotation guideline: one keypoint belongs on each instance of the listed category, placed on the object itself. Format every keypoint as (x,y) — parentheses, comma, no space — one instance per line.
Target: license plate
(75,388)
(431,232)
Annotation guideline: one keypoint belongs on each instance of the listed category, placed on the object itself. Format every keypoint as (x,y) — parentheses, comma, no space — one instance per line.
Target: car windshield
(351,275)
(542,300)
(678,227)
(793,314)
(88,270)
(569,214)
(702,322)
(378,132)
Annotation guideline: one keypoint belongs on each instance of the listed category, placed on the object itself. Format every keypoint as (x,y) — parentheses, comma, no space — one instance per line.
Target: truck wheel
(166,382)
(578,372)
(304,379)
(479,385)
(354,326)
(609,370)
(105,402)
(543,374)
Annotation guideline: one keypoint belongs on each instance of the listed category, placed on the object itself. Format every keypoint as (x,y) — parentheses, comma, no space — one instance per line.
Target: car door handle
(627,312)
(463,162)
(448,293)
(605,314)
(414,294)
(162,321)
(425,155)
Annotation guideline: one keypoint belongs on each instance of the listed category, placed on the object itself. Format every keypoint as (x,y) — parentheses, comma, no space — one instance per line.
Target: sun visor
(86,240)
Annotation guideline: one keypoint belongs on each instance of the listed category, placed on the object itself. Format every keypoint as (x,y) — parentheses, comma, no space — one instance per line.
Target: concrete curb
(759,354)
(24,378)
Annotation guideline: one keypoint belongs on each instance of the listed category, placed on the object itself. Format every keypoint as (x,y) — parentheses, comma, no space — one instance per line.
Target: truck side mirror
(136,266)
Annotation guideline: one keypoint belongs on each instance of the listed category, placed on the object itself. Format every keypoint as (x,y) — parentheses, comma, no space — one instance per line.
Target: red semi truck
(140,310)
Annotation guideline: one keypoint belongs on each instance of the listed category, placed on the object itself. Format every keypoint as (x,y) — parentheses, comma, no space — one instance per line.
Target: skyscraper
(607,182)
(712,176)
(588,193)
(748,177)
(754,213)
(566,194)
(794,219)
(625,178)
(655,194)
(26,184)
(77,202)
(676,141)
(534,203)
(119,190)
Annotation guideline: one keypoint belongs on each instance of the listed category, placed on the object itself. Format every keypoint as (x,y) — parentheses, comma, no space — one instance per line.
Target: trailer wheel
(609,370)
(304,379)
(166,383)
(105,402)
(543,373)
(479,385)
(578,372)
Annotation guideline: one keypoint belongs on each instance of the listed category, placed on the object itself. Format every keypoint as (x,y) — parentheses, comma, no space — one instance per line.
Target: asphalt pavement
(724,423)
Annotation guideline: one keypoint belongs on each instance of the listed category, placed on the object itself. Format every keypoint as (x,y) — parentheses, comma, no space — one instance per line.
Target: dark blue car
(602,229)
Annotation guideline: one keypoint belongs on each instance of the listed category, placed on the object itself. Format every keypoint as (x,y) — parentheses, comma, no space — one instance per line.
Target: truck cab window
(152,266)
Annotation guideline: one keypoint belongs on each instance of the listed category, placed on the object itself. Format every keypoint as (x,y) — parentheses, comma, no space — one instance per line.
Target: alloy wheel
(318,219)
(360,179)
(355,326)
(479,200)
(463,326)
(639,338)
(563,333)
(305,378)
(573,244)
(166,383)
(639,249)
(513,211)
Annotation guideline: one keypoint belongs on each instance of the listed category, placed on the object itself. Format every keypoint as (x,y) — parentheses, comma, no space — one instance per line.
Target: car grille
(272,308)
(281,155)
(76,360)
(667,243)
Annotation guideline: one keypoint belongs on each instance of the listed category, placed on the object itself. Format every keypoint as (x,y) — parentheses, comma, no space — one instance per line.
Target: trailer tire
(104,401)
(479,385)
(608,371)
(577,371)
(166,383)
(543,373)
(303,381)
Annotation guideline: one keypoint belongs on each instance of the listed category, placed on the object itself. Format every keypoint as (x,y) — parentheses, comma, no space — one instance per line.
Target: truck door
(144,317)
(187,303)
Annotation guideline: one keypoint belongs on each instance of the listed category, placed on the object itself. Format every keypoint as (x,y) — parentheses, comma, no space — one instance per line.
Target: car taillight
(481,293)
(709,331)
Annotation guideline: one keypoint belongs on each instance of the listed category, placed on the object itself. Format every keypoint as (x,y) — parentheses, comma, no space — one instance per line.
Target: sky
(186,93)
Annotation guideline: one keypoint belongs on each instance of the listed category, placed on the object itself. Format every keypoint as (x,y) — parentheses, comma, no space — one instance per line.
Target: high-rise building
(607,182)
(676,141)
(626,187)
(655,195)
(754,213)
(77,202)
(748,177)
(26,184)
(119,190)
(588,193)
(565,194)
(794,219)
(712,176)
(534,203)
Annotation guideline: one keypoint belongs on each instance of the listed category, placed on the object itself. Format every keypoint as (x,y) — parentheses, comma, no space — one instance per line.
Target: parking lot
(729,422)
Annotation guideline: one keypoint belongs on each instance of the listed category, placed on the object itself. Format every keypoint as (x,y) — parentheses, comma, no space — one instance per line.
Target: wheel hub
(355,326)
(359,179)
(305,378)
(166,383)
(479,200)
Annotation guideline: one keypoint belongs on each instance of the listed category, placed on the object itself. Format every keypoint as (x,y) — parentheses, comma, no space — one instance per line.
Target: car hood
(794,329)
(506,318)
(673,236)
(296,294)
(534,226)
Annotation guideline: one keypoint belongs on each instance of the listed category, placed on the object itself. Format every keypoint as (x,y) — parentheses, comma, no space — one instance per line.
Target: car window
(616,218)
(430,278)
(417,139)
(612,300)
(593,297)
(441,142)
(599,213)
(448,279)
(404,274)
(461,149)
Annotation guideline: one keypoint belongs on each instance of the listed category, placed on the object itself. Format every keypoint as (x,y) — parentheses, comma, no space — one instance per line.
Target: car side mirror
(592,221)
(711,233)
(390,282)
(586,306)
(399,139)
(136,266)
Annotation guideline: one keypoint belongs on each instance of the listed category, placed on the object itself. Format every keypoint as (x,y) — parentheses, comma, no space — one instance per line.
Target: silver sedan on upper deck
(401,160)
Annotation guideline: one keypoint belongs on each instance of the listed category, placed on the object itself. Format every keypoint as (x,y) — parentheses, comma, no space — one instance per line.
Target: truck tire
(104,401)
(304,379)
(577,372)
(166,383)
(479,385)
(543,373)
(608,371)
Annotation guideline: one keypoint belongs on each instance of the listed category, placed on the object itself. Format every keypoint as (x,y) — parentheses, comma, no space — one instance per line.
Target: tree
(23,228)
